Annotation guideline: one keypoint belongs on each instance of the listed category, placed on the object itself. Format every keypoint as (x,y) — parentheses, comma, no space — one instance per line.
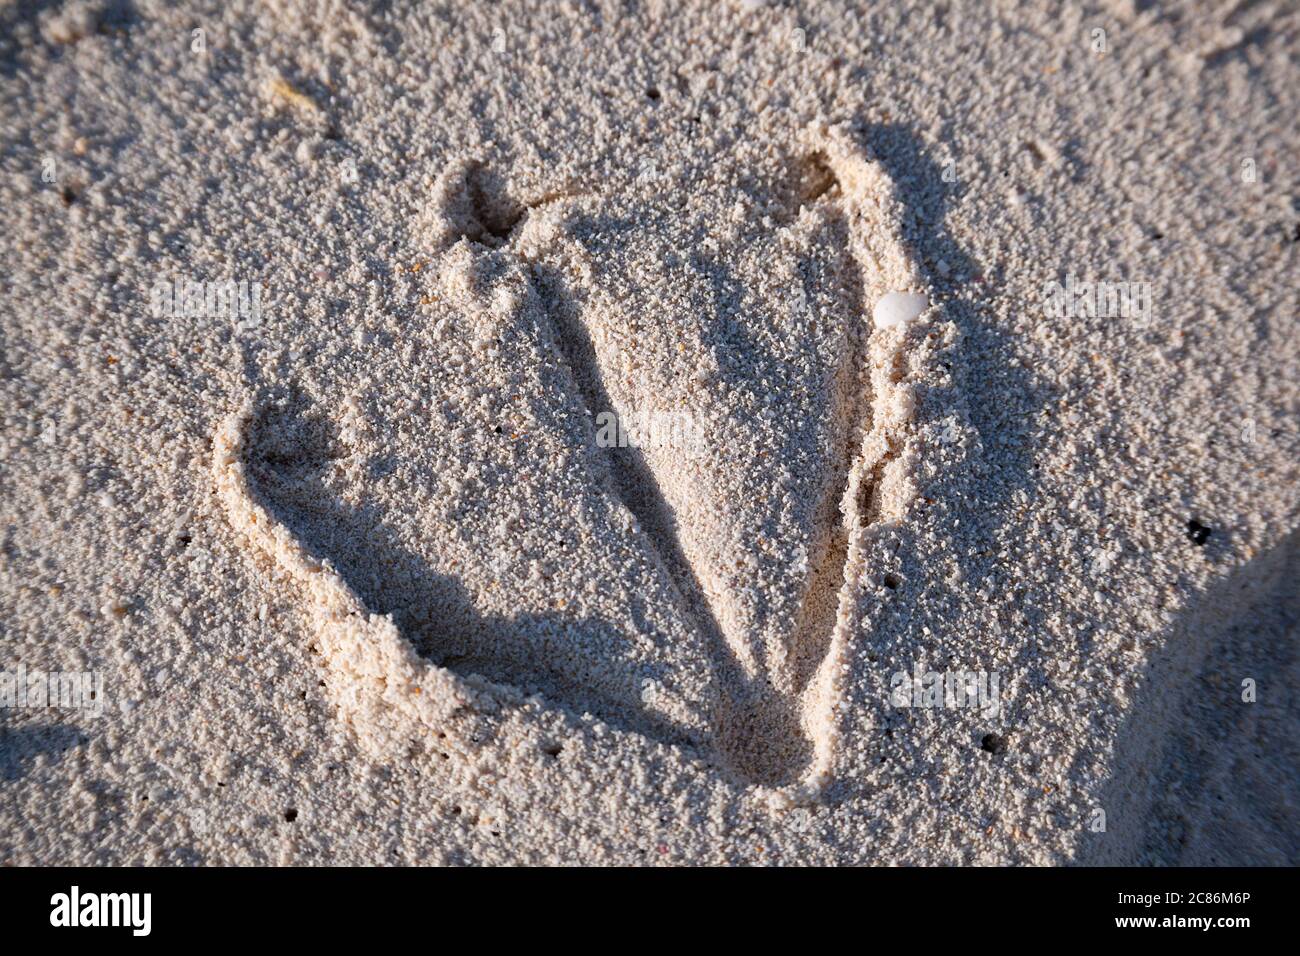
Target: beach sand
(752,433)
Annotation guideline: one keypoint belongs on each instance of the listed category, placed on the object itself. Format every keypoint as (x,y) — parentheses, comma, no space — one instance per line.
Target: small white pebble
(896,309)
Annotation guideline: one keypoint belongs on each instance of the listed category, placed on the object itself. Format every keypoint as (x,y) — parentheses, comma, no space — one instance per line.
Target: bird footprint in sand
(465,514)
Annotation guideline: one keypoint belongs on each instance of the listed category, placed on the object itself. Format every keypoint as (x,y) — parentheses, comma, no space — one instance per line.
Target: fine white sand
(368,574)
